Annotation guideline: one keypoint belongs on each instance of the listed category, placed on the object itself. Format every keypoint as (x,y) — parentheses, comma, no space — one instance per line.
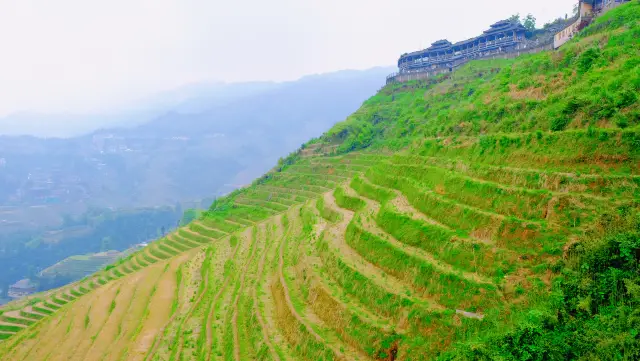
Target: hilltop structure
(502,38)
(587,10)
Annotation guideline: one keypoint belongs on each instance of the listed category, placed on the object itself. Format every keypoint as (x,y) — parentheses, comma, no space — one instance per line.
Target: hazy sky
(83,55)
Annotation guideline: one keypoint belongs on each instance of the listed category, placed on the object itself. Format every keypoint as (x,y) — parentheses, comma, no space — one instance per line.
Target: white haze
(87,56)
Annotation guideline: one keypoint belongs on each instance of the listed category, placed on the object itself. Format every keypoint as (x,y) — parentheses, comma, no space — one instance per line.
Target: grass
(478,215)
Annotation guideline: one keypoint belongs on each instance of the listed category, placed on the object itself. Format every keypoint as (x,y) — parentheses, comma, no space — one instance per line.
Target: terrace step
(383,280)
(341,352)
(199,223)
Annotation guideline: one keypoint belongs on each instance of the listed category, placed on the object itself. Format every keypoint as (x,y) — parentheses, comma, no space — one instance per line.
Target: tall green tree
(529,22)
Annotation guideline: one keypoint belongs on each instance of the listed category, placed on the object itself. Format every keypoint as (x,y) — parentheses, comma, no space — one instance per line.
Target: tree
(529,23)
(515,18)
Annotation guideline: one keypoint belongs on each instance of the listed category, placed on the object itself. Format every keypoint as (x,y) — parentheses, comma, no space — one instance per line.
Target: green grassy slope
(489,214)
(76,267)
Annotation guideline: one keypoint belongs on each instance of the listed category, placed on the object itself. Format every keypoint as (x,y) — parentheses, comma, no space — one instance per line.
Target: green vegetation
(592,82)
(591,314)
(488,214)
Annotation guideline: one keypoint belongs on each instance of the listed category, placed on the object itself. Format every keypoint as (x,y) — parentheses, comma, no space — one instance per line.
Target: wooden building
(443,56)
(504,39)
(587,10)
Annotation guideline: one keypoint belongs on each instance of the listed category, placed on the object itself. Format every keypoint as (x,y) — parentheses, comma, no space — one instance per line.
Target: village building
(503,37)
(587,10)
(21,289)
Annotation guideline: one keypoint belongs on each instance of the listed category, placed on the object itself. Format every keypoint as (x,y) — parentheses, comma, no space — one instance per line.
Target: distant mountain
(82,189)
(193,98)
(187,153)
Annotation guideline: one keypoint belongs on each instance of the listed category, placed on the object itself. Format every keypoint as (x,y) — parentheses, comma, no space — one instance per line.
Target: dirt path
(402,204)
(198,301)
(247,201)
(292,191)
(187,229)
(234,319)
(175,237)
(368,224)
(104,340)
(9,324)
(160,336)
(240,225)
(135,313)
(212,308)
(354,260)
(16,314)
(159,316)
(256,306)
(290,305)
(343,298)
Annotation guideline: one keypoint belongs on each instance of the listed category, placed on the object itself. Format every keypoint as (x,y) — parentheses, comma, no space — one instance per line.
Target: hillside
(136,181)
(488,214)
(79,266)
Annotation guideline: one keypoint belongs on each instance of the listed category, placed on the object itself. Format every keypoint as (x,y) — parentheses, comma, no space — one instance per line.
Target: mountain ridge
(461,217)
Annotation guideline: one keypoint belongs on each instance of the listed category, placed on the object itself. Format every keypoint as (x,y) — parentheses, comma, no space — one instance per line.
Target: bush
(588,58)
(593,314)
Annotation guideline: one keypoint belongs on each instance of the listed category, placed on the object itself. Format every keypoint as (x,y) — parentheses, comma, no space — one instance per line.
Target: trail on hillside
(201,224)
(212,308)
(331,288)
(254,294)
(234,320)
(370,225)
(382,279)
(287,295)
(196,304)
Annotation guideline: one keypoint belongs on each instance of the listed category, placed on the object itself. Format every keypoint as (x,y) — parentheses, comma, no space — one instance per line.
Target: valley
(61,197)
(490,213)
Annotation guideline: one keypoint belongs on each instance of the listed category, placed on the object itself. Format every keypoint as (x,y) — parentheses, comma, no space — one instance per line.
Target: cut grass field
(363,255)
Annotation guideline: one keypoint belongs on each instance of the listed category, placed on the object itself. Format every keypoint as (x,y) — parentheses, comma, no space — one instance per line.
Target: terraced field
(358,257)
(76,267)
(367,255)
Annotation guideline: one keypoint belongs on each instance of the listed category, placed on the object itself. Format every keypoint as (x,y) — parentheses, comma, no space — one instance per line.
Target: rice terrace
(486,213)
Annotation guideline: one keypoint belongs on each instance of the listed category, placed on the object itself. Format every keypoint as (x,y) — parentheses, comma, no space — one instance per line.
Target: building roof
(440,44)
(498,27)
(504,25)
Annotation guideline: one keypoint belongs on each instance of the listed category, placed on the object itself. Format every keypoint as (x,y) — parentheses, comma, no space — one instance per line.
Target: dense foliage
(593,312)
